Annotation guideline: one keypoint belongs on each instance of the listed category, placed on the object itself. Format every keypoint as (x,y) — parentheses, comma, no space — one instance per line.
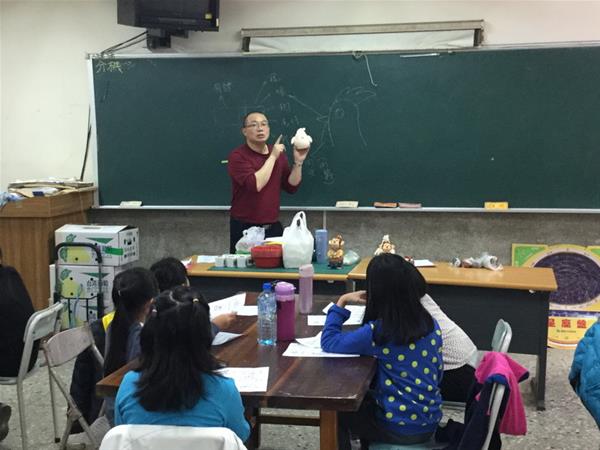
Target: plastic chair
(495,403)
(160,437)
(58,350)
(502,337)
(41,324)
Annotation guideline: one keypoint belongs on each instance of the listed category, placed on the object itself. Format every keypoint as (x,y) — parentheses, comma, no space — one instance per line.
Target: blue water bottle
(321,243)
(267,316)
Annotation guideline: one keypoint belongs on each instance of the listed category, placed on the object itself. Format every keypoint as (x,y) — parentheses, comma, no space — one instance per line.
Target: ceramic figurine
(386,246)
(335,253)
(301,140)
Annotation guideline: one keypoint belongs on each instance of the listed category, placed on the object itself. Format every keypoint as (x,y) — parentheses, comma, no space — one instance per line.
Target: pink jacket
(494,363)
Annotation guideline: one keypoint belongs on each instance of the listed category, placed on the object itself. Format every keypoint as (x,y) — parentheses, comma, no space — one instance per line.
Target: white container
(219,261)
(119,244)
(230,260)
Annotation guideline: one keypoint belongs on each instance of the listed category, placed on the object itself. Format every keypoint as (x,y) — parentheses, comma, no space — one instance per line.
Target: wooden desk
(325,384)
(220,283)
(476,298)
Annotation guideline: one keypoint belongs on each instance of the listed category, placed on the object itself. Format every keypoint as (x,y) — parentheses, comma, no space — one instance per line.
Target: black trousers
(456,384)
(363,425)
(237,227)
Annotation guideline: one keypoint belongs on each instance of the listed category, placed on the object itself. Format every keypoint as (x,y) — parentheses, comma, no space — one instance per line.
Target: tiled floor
(565,424)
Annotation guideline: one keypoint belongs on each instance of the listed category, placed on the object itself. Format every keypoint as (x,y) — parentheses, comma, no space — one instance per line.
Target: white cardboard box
(119,244)
(80,284)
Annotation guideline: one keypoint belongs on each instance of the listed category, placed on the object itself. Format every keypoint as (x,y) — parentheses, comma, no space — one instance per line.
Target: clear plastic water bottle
(267,316)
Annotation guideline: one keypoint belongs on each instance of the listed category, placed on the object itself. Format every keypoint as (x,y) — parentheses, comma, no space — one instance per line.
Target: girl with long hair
(403,405)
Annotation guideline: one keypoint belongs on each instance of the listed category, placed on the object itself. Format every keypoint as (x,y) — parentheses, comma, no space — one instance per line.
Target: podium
(27,235)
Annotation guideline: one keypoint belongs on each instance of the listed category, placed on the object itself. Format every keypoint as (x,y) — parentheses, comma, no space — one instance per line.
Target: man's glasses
(262,124)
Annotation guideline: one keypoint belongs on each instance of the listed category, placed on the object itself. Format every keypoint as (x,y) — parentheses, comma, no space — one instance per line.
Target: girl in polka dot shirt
(403,405)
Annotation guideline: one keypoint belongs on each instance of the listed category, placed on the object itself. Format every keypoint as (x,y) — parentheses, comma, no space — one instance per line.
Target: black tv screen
(198,15)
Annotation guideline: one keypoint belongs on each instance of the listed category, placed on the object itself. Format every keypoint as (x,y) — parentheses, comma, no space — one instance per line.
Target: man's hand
(224,321)
(278,148)
(359,297)
(300,155)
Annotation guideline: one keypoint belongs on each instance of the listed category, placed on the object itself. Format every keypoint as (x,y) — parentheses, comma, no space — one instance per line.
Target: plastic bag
(351,257)
(298,243)
(252,237)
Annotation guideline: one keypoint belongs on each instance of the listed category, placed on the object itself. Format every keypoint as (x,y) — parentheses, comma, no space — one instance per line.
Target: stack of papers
(423,263)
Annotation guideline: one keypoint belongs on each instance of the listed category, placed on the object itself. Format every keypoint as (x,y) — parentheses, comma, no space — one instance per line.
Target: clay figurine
(386,246)
(301,140)
(335,253)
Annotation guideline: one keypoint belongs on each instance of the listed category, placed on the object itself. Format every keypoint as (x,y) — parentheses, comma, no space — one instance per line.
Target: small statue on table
(386,246)
(335,253)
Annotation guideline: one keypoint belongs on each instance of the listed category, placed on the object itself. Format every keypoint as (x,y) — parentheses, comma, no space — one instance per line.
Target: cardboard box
(119,244)
(80,284)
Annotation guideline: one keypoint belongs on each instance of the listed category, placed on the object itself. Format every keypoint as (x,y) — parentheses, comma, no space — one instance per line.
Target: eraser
(495,205)
(385,204)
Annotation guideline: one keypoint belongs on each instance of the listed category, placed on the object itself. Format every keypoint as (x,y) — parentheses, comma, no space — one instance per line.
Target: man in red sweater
(258,172)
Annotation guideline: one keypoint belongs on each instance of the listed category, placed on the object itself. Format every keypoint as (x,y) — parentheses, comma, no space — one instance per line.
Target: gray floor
(564,425)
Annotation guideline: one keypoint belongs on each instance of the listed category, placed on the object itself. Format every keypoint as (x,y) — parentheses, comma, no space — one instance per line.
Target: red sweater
(247,204)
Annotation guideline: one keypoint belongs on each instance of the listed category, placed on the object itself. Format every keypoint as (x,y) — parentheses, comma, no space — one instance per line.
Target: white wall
(44,82)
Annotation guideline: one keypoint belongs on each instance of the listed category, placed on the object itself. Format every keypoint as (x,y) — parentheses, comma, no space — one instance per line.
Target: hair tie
(195,300)
(153,312)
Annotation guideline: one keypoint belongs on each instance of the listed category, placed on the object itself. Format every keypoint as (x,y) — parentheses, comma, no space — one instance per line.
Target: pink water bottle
(305,291)
(286,311)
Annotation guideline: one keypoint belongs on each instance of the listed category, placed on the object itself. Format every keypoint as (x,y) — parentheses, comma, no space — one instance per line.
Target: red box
(267,256)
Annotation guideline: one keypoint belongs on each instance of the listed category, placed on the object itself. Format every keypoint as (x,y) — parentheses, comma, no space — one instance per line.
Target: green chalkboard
(446,130)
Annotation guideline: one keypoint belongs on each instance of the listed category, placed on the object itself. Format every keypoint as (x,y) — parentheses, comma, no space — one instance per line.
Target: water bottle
(267,316)
(305,291)
(321,243)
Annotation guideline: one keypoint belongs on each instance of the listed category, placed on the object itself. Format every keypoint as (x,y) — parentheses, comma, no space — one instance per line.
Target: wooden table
(328,385)
(220,283)
(476,298)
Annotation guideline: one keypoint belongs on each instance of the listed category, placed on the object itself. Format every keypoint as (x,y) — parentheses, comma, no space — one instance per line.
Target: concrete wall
(44,104)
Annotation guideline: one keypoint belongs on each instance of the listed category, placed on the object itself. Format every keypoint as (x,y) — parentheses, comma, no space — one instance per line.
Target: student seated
(170,272)
(403,406)
(177,382)
(459,351)
(16,308)
(132,293)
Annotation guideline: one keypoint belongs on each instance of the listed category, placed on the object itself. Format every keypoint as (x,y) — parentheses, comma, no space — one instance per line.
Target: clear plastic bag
(252,237)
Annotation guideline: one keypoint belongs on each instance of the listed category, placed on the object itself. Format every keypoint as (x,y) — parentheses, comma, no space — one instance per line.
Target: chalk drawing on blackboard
(113,66)
(287,111)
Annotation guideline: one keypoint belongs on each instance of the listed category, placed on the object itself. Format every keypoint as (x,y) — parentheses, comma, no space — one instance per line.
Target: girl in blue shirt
(177,382)
(403,406)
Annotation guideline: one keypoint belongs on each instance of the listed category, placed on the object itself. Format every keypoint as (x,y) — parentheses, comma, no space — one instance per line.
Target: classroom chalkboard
(450,129)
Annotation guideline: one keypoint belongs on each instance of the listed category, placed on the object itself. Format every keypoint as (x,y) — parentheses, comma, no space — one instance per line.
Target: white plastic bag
(298,243)
(252,237)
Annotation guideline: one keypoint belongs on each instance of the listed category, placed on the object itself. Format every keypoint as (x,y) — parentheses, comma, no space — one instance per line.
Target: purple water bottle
(305,291)
(286,311)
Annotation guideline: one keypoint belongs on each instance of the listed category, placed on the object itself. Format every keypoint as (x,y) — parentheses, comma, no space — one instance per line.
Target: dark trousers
(365,426)
(456,384)
(237,227)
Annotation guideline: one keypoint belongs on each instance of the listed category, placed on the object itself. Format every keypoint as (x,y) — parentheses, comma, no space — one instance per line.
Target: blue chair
(495,402)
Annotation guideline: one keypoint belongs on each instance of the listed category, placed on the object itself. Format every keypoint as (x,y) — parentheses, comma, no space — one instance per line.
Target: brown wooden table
(476,298)
(328,385)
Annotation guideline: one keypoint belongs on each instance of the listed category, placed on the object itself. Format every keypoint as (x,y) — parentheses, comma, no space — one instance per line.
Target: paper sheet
(316,321)
(206,259)
(302,351)
(423,263)
(247,310)
(224,336)
(248,379)
(357,312)
(312,342)
(226,305)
